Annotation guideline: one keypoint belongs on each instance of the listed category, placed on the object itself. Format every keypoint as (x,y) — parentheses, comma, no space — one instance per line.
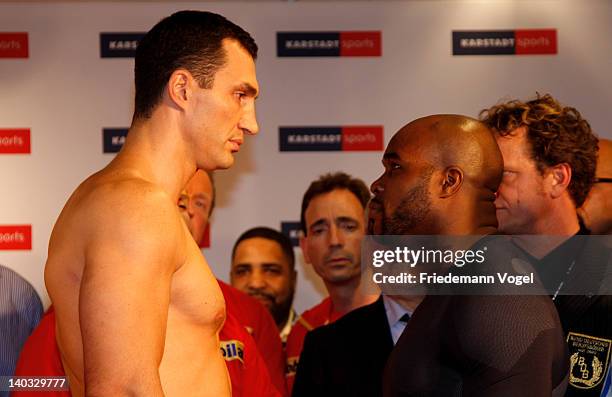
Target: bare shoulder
(124,214)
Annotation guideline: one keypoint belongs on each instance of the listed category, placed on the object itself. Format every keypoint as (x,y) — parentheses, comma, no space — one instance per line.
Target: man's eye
(239,272)
(318,230)
(349,226)
(393,167)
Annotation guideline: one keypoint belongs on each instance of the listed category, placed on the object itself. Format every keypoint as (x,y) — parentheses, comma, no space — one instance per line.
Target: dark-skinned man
(441,175)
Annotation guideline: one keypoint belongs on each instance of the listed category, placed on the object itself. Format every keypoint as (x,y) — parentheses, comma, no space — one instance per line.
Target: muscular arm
(124,296)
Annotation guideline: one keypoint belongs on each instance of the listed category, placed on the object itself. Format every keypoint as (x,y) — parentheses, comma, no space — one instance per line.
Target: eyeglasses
(603,180)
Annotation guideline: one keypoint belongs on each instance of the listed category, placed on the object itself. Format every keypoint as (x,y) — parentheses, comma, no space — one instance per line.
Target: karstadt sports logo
(14,45)
(505,42)
(119,45)
(16,237)
(324,139)
(329,44)
(15,141)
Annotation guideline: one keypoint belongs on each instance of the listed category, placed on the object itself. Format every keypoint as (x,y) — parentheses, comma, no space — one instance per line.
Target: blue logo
(292,230)
(113,139)
(119,45)
(310,139)
(308,44)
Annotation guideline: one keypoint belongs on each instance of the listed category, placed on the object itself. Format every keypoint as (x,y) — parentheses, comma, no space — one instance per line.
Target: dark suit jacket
(347,357)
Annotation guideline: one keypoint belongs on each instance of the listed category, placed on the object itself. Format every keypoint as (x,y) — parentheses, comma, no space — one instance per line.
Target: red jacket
(260,324)
(317,316)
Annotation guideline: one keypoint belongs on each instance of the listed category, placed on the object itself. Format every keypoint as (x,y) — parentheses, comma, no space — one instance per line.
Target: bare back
(138,309)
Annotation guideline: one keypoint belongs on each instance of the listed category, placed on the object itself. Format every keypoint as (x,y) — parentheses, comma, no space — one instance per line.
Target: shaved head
(454,140)
(441,171)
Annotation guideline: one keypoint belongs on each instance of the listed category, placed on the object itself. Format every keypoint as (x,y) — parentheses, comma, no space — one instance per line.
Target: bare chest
(195,294)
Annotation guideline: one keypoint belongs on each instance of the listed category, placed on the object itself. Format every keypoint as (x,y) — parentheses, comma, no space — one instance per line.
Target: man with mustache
(441,175)
(263,266)
(333,226)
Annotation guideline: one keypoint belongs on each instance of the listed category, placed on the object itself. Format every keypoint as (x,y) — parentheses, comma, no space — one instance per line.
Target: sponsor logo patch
(505,42)
(119,45)
(14,45)
(589,360)
(15,141)
(232,350)
(329,44)
(292,364)
(16,237)
(324,139)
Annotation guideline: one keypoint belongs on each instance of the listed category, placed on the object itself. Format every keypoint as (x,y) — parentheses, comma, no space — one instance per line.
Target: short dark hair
(333,181)
(557,134)
(186,39)
(269,234)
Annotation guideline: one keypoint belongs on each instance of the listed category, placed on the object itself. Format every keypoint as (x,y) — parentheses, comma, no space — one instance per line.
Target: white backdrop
(65,93)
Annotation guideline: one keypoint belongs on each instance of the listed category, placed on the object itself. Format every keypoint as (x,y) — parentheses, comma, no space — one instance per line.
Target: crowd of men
(136,311)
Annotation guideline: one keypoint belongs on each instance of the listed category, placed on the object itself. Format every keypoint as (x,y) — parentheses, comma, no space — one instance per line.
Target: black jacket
(347,357)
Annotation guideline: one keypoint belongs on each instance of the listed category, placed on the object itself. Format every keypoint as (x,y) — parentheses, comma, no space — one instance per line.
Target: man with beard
(263,266)
(333,226)
(441,175)
(550,159)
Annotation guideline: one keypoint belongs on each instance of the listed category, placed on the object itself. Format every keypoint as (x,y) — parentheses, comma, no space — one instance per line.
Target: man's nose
(336,238)
(248,122)
(377,186)
(256,281)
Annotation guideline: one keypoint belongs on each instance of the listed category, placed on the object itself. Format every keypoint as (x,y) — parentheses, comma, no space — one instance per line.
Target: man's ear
(303,246)
(179,87)
(560,176)
(452,179)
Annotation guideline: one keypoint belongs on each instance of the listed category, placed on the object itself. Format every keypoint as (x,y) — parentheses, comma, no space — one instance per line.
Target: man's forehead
(514,144)
(402,150)
(339,203)
(260,248)
(240,65)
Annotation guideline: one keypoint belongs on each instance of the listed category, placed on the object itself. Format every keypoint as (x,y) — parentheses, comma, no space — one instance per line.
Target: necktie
(405,318)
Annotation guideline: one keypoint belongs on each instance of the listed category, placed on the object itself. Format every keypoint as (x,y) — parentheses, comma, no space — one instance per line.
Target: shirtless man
(138,310)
